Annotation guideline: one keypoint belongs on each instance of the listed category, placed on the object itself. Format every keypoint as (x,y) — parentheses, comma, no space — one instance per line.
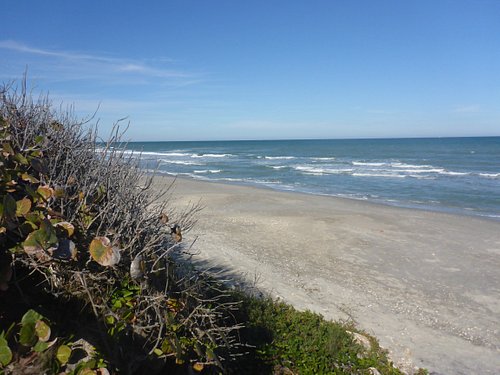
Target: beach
(426,284)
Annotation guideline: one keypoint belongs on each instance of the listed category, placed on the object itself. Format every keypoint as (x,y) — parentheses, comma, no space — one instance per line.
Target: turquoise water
(460,175)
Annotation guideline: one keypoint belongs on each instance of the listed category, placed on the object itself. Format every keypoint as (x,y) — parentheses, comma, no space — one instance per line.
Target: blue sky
(202,70)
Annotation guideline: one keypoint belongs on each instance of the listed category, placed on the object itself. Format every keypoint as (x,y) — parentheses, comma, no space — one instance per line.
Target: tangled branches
(80,212)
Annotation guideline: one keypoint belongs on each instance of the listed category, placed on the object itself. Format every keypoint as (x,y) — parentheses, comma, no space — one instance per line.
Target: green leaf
(39,166)
(27,336)
(49,232)
(31,316)
(9,206)
(63,354)
(42,330)
(7,148)
(21,159)
(5,352)
(23,206)
(36,243)
(40,346)
(103,253)
(29,178)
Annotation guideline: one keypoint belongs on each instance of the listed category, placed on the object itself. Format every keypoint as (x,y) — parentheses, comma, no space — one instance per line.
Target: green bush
(80,213)
(294,342)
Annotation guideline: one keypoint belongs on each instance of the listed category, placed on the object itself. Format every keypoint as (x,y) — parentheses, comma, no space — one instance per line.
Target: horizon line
(320,139)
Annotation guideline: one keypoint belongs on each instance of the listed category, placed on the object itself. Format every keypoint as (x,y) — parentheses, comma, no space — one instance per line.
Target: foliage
(35,348)
(80,213)
(290,341)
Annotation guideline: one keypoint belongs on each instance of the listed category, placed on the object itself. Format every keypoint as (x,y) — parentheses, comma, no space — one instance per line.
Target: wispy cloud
(473,108)
(94,65)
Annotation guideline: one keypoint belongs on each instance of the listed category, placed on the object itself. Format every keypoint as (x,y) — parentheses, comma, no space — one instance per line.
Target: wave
(356,174)
(277,166)
(490,175)
(323,159)
(320,171)
(207,171)
(368,164)
(152,153)
(211,155)
(412,166)
(179,162)
(279,157)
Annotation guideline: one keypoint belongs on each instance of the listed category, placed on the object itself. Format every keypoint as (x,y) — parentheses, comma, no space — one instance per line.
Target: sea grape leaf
(31,316)
(35,244)
(45,192)
(103,252)
(21,159)
(39,166)
(198,367)
(23,206)
(39,240)
(27,177)
(40,346)
(63,354)
(27,335)
(42,330)
(70,228)
(9,206)
(5,352)
(49,232)
(7,149)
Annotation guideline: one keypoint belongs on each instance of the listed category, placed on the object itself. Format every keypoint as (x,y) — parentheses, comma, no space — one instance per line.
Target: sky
(261,69)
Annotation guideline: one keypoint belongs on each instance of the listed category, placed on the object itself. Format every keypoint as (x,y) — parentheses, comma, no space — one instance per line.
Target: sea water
(458,175)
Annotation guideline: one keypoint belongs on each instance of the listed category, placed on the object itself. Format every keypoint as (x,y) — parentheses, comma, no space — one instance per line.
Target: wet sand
(426,284)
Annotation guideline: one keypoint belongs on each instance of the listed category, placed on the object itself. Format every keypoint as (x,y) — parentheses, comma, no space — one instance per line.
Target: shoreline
(425,283)
(379,203)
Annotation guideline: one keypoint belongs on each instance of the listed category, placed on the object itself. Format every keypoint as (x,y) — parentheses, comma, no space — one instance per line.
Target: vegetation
(90,284)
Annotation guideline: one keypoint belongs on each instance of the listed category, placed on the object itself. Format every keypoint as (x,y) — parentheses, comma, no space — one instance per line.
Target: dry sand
(426,284)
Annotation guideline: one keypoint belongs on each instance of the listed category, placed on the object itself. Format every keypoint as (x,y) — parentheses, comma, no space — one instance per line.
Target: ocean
(456,175)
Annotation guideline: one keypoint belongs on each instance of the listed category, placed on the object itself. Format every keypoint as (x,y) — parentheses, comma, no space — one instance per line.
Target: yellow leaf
(63,354)
(45,191)
(23,206)
(42,330)
(198,367)
(103,252)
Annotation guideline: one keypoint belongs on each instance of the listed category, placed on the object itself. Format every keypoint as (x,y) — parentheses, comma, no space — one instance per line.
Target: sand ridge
(426,284)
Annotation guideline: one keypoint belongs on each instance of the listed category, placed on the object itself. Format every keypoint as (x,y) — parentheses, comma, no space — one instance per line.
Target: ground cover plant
(90,280)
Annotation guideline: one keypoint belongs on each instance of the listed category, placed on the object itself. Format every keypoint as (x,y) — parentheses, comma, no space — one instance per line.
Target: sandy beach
(426,284)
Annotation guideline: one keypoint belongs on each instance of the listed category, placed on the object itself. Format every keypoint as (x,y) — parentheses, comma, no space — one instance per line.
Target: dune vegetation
(91,281)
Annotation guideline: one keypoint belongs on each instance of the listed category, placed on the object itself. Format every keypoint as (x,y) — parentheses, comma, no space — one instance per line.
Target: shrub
(80,213)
